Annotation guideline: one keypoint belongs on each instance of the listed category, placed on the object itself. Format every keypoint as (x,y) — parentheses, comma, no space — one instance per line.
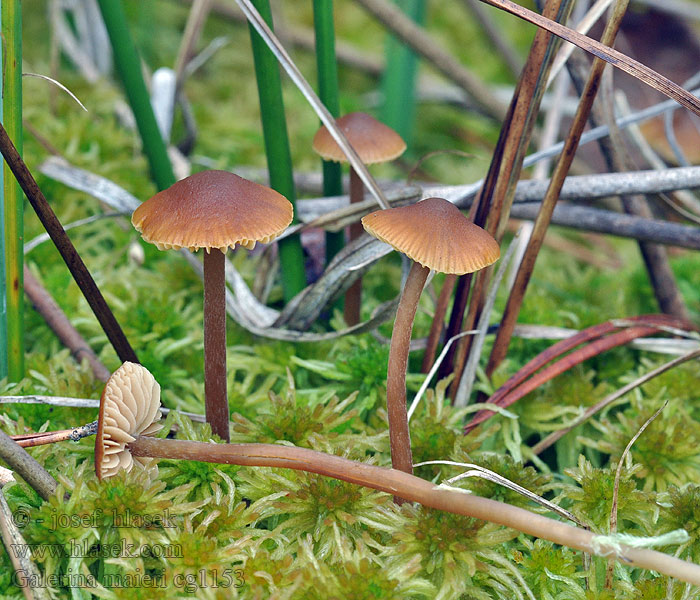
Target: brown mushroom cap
(373,141)
(435,234)
(129,407)
(212,209)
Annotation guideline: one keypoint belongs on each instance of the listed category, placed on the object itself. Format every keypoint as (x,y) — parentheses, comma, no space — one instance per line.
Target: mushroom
(129,407)
(435,235)
(213,210)
(374,142)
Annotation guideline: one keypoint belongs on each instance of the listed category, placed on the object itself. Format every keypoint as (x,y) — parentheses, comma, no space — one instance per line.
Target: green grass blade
(398,83)
(128,65)
(3,283)
(326,67)
(279,159)
(11,16)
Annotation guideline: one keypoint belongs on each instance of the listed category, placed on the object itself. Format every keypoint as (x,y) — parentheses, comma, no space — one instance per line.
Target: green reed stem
(128,65)
(279,159)
(398,82)
(326,67)
(11,17)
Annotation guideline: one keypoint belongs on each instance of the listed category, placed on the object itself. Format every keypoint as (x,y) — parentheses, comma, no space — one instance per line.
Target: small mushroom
(435,235)
(374,142)
(129,407)
(213,210)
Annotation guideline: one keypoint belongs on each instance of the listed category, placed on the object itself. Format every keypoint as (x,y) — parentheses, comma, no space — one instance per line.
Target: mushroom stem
(417,490)
(353,296)
(215,397)
(399,435)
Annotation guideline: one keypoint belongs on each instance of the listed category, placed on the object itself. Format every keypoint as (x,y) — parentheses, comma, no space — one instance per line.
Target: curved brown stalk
(414,489)
(400,438)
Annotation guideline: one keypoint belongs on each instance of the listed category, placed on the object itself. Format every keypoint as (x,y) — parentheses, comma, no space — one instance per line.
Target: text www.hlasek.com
(88,549)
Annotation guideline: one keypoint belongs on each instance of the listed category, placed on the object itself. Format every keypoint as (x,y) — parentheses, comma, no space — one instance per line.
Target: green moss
(516,472)
(332,512)
(681,510)
(592,497)
(667,451)
(295,421)
(455,551)
(550,572)
(436,434)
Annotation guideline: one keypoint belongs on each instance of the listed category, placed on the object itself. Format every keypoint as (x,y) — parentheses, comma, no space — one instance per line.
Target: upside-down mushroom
(129,407)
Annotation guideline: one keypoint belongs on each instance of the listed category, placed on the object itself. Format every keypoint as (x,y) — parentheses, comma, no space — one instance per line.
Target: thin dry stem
(65,247)
(55,318)
(422,44)
(600,50)
(25,466)
(438,324)
(527,265)
(496,194)
(557,435)
(616,488)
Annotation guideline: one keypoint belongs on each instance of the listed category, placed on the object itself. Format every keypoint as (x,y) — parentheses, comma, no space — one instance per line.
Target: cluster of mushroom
(217,210)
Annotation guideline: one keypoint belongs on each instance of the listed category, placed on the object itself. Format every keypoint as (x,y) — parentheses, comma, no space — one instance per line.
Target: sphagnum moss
(669,449)
(681,510)
(436,431)
(571,294)
(331,511)
(550,572)
(201,480)
(591,499)
(300,423)
(452,549)
(514,471)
